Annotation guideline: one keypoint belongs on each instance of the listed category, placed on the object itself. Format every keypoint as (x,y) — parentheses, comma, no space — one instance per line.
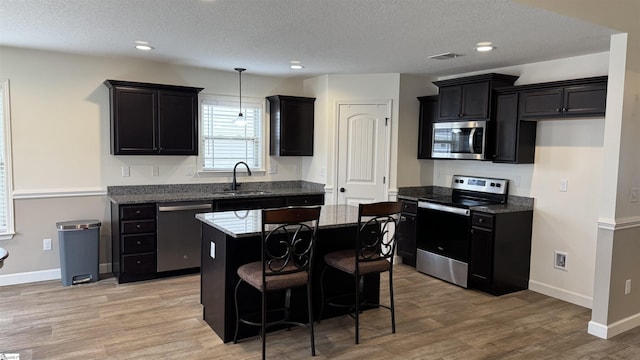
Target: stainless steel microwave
(459,140)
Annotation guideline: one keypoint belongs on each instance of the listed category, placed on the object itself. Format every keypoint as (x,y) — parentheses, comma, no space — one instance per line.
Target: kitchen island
(232,238)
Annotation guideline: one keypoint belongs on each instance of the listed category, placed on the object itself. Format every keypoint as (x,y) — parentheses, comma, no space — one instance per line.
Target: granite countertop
(514,203)
(245,223)
(138,194)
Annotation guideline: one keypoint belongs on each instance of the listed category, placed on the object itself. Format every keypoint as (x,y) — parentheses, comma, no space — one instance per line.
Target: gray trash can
(79,254)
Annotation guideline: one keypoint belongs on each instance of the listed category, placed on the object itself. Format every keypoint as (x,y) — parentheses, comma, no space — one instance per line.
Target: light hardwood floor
(162,319)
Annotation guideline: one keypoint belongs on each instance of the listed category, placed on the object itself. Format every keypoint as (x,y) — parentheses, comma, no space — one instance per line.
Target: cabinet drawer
(136,244)
(135,212)
(139,264)
(409,207)
(305,200)
(138,227)
(482,220)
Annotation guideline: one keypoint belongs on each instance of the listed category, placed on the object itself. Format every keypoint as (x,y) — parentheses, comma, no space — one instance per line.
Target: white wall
(329,90)
(59,103)
(565,149)
(411,171)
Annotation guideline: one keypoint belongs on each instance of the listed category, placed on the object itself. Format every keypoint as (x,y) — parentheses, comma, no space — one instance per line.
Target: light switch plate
(564,183)
(125,171)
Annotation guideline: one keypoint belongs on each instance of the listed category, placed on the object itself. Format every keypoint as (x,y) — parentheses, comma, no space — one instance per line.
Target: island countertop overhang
(246,223)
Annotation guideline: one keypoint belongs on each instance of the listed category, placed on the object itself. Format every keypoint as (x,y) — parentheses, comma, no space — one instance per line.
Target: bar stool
(288,242)
(375,246)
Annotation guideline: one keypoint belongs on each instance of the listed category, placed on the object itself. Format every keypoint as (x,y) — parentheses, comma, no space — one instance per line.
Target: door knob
(342,189)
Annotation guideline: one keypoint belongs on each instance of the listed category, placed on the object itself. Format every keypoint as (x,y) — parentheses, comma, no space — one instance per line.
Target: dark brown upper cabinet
(469,98)
(291,125)
(564,99)
(428,114)
(515,140)
(153,119)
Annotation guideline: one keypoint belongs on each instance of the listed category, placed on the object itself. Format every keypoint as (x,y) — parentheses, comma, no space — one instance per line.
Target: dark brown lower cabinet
(406,240)
(500,251)
(133,242)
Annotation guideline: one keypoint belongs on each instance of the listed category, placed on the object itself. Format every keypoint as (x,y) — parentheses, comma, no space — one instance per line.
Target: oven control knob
(493,184)
(498,185)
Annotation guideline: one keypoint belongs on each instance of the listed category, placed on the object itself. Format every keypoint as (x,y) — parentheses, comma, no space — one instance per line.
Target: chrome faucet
(234,184)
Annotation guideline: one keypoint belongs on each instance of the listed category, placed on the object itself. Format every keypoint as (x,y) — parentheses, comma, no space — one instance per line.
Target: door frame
(387,145)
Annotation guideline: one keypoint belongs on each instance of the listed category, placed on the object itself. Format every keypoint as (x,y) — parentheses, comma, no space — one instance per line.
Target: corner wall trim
(41,275)
(618,327)
(561,294)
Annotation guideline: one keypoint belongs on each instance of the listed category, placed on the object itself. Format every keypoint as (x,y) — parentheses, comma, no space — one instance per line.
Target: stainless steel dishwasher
(178,245)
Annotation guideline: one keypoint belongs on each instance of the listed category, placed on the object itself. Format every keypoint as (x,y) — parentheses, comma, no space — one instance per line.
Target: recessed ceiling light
(143,45)
(484,46)
(295,65)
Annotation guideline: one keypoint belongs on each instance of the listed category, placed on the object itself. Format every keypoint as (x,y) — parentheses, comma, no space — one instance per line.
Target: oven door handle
(445,208)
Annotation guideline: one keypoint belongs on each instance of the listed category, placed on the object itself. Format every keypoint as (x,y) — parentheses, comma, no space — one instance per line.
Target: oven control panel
(486,185)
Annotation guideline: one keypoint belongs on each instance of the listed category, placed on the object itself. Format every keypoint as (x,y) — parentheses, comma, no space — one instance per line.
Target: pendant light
(240,120)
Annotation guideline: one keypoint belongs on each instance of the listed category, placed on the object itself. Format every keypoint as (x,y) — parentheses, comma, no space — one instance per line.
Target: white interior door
(363,143)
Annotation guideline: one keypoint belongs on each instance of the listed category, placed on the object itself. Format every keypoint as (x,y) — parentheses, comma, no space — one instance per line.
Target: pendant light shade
(240,120)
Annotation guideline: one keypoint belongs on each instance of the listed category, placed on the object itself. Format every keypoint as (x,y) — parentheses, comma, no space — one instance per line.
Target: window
(225,142)
(6,205)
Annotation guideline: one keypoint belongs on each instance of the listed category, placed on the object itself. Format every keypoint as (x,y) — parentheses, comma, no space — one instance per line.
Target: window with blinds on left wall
(223,140)
(6,205)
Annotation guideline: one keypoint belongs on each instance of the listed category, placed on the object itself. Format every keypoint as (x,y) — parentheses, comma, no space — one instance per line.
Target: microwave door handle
(471,140)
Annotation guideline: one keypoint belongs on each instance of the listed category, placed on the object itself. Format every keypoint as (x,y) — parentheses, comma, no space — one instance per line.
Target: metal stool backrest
(378,225)
(288,240)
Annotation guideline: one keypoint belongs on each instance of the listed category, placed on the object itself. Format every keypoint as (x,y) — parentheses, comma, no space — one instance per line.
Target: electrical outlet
(155,170)
(635,195)
(560,260)
(627,287)
(46,244)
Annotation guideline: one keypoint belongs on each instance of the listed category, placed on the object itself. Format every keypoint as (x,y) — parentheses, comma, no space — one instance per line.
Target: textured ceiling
(327,36)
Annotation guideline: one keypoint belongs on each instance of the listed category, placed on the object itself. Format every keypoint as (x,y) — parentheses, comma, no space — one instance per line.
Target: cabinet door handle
(138,212)
(480,220)
(565,109)
(558,109)
(139,242)
(138,262)
(138,226)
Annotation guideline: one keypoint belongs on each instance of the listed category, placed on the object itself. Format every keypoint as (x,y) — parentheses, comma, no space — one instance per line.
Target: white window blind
(6,213)
(225,142)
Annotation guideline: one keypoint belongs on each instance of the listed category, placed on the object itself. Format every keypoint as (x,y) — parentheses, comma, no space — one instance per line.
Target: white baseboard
(618,327)
(561,294)
(42,275)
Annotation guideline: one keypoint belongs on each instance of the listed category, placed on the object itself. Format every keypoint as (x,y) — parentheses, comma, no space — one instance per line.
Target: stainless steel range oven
(444,226)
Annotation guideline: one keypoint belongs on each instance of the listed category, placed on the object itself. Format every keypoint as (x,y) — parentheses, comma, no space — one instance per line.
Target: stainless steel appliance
(444,226)
(460,140)
(178,245)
